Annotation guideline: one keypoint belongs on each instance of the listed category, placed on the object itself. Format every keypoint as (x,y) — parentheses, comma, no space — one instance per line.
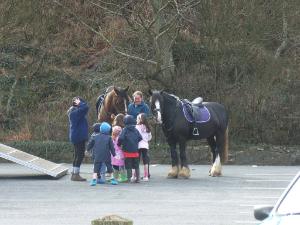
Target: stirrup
(195,131)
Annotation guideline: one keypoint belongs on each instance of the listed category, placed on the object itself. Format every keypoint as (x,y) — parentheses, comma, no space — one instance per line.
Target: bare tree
(155,25)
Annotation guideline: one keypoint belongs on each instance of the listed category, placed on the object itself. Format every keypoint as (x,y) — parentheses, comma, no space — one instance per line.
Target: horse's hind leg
(212,144)
(173,173)
(216,169)
(184,170)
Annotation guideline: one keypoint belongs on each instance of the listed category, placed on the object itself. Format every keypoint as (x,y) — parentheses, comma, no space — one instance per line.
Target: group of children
(117,150)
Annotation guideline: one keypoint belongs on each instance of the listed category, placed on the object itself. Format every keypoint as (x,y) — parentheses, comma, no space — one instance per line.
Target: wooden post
(112,220)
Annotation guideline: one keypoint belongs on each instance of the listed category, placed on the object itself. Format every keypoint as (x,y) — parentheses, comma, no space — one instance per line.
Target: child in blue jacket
(102,148)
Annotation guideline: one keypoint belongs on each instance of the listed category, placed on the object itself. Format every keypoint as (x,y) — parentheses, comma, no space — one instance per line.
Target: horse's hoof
(185,173)
(215,171)
(173,173)
(215,174)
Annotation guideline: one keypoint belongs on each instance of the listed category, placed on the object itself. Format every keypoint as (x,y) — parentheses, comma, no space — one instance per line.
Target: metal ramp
(32,162)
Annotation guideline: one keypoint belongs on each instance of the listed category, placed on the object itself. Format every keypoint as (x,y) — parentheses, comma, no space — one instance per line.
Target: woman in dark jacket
(78,133)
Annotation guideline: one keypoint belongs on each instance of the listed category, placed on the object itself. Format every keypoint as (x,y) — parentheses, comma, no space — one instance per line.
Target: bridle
(116,103)
(159,110)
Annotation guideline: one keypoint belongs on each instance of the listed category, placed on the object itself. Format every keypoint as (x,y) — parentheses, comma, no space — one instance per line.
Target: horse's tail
(224,154)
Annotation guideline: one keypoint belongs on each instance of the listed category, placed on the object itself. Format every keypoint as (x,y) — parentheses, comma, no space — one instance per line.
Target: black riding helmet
(129,120)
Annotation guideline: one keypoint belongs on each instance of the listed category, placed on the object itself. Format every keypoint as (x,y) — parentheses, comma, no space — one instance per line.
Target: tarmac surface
(30,198)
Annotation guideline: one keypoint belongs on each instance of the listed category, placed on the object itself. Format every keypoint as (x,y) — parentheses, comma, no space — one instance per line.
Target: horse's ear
(117,91)
(126,89)
(150,92)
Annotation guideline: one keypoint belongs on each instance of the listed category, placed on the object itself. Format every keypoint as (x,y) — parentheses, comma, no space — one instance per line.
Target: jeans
(79,149)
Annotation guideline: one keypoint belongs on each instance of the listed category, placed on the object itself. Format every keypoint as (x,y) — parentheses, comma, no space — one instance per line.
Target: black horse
(179,126)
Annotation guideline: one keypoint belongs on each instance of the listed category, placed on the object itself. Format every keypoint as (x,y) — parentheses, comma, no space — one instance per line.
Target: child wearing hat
(129,140)
(102,148)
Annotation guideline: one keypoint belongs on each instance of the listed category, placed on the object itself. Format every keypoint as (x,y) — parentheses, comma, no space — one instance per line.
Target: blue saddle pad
(201,115)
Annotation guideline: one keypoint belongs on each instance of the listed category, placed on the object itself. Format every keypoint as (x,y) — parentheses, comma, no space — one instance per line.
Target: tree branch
(157,13)
(285,40)
(167,27)
(114,48)
(106,9)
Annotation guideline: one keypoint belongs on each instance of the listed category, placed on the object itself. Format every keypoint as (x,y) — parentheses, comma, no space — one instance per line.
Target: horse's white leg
(173,173)
(216,169)
(184,172)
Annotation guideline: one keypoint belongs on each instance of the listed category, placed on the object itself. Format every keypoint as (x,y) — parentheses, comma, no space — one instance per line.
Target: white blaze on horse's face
(157,109)
(125,104)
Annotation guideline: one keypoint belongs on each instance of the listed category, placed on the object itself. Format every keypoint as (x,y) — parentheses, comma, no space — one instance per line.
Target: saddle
(99,103)
(196,102)
(101,98)
(195,112)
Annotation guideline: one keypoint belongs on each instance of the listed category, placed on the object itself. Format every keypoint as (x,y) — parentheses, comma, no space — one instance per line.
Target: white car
(287,209)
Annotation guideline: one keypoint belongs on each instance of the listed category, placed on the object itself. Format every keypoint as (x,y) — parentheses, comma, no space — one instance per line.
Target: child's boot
(93,182)
(113,181)
(122,177)
(116,174)
(129,174)
(145,178)
(102,179)
(137,173)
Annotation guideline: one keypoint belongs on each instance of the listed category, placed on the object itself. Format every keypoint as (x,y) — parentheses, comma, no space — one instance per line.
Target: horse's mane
(110,93)
(174,97)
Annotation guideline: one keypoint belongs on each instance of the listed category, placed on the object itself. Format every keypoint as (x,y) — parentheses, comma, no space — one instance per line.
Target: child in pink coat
(118,160)
(144,129)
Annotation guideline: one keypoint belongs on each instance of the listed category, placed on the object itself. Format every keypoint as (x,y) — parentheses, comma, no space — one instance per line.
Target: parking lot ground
(30,198)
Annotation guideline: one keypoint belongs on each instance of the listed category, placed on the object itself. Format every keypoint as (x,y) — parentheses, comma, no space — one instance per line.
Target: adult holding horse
(78,133)
(208,119)
(115,102)
(138,106)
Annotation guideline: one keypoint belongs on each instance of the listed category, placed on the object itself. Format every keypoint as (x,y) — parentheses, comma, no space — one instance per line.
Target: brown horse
(115,102)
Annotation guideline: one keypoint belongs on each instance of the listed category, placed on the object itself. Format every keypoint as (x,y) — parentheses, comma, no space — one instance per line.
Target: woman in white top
(144,129)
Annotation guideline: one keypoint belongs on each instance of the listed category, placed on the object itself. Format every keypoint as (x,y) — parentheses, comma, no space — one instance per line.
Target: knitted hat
(129,120)
(105,128)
